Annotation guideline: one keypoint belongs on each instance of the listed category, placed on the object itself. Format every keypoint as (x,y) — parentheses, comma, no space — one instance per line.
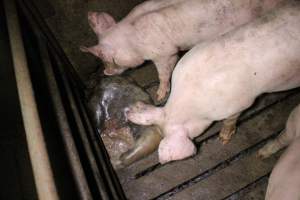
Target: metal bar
(65,130)
(95,170)
(105,166)
(43,175)
(98,178)
(113,185)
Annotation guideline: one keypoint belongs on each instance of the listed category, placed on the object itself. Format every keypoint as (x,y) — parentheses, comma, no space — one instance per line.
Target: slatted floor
(218,171)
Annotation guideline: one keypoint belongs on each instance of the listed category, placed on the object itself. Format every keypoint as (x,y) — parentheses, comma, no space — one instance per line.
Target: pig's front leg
(229,128)
(176,145)
(164,66)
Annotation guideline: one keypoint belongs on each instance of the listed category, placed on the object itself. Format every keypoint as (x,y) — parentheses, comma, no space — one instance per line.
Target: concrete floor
(218,171)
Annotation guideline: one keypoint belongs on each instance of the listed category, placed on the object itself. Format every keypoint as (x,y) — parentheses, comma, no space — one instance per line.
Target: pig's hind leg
(286,136)
(144,114)
(229,128)
(147,143)
(274,145)
(165,66)
(176,145)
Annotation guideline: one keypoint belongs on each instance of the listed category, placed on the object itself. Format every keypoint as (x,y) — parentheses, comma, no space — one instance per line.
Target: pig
(290,133)
(157,29)
(106,99)
(284,182)
(217,80)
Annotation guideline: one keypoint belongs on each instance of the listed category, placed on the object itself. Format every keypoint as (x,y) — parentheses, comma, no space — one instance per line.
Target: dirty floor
(218,171)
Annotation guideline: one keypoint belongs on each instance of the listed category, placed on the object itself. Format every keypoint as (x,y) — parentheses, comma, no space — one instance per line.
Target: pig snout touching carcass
(219,79)
(156,30)
(284,182)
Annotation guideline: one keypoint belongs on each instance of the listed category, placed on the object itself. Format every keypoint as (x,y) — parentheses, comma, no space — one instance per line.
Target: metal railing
(93,174)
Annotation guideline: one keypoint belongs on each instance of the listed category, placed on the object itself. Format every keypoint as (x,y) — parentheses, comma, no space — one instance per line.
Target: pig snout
(113,69)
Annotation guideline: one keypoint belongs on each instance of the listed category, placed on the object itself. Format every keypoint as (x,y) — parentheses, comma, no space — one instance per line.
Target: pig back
(262,56)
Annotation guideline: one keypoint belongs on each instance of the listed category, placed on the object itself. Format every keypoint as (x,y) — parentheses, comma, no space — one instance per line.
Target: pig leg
(229,128)
(175,146)
(144,114)
(147,143)
(274,145)
(285,137)
(165,66)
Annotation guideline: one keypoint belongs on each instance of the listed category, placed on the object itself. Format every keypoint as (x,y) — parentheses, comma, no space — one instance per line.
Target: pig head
(117,56)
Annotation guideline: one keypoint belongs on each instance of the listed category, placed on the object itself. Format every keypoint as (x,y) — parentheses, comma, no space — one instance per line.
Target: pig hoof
(265,152)
(270,148)
(145,145)
(226,134)
(262,154)
(161,93)
(224,141)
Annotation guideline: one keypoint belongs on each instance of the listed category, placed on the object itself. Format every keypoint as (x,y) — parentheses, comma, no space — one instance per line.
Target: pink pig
(219,79)
(157,29)
(284,182)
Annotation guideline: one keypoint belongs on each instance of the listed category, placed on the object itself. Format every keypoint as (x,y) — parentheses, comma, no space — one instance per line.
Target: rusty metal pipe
(43,175)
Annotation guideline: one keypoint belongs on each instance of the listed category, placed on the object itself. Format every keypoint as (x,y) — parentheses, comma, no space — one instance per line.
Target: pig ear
(100,22)
(93,50)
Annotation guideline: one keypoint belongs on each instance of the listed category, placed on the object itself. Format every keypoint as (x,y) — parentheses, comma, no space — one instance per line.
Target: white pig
(219,79)
(157,29)
(284,182)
